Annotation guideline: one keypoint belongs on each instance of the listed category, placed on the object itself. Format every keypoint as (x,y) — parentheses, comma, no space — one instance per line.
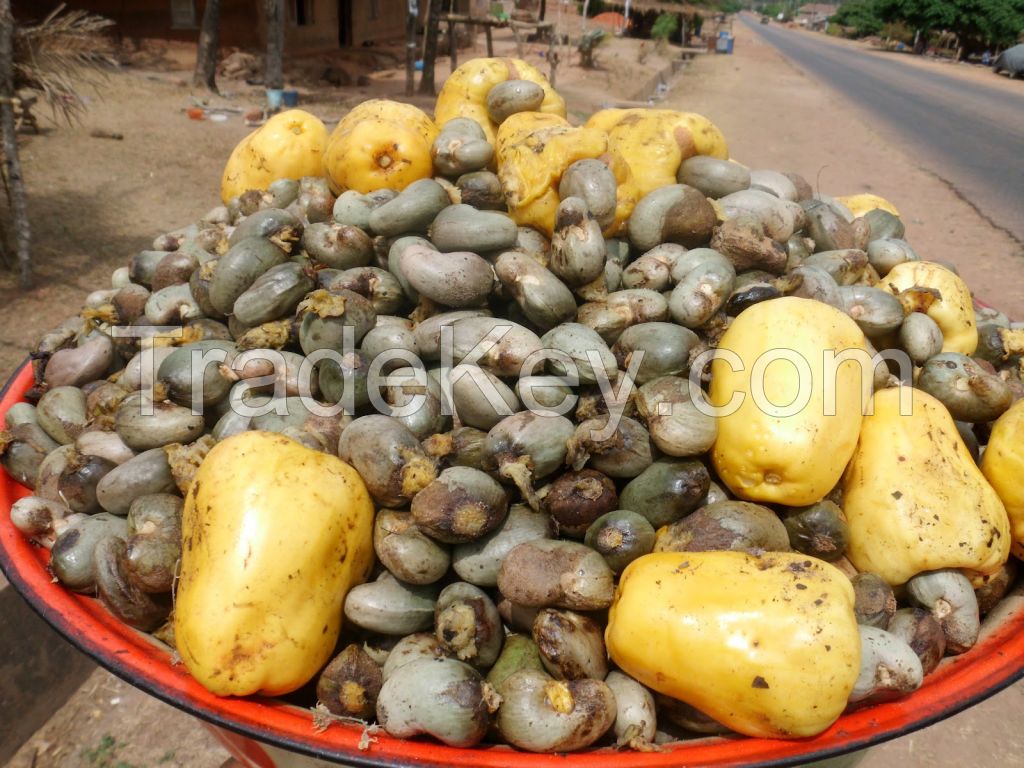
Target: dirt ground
(94,202)
(108,723)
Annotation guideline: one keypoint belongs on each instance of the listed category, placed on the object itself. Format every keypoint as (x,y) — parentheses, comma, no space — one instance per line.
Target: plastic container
(275,97)
(264,733)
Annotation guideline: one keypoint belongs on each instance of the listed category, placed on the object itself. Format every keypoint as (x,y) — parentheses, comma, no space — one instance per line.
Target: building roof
(654,5)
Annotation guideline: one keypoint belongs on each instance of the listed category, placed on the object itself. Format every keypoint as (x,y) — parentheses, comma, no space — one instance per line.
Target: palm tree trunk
(12,165)
(430,47)
(205,75)
(274,74)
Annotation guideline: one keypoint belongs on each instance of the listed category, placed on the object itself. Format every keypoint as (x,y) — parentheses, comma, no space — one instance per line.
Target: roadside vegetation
(961,28)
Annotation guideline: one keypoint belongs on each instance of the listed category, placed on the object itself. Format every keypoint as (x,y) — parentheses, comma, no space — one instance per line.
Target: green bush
(665,26)
(898,30)
(588,47)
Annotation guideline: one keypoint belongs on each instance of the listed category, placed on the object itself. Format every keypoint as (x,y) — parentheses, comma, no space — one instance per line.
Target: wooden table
(544,29)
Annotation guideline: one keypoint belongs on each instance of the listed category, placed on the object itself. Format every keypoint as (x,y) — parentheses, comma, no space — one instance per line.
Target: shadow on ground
(77,241)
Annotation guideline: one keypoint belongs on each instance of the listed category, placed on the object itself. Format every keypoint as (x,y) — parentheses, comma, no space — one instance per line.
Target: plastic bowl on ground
(245,724)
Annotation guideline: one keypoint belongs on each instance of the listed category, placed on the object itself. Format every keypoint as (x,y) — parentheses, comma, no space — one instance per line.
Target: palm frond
(61,53)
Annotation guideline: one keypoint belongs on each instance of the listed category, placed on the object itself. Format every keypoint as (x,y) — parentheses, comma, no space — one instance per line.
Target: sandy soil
(108,723)
(94,202)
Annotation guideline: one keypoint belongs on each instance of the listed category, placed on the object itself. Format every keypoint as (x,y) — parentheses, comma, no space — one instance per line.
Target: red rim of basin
(960,682)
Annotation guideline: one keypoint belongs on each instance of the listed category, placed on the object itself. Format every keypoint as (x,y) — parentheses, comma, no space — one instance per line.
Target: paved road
(970,134)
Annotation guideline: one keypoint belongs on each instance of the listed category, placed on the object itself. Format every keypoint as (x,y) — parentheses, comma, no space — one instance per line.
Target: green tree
(923,15)
(861,15)
(977,23)
(980,23)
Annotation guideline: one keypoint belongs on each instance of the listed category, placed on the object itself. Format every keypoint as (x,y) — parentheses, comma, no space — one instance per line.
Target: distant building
(816,15)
